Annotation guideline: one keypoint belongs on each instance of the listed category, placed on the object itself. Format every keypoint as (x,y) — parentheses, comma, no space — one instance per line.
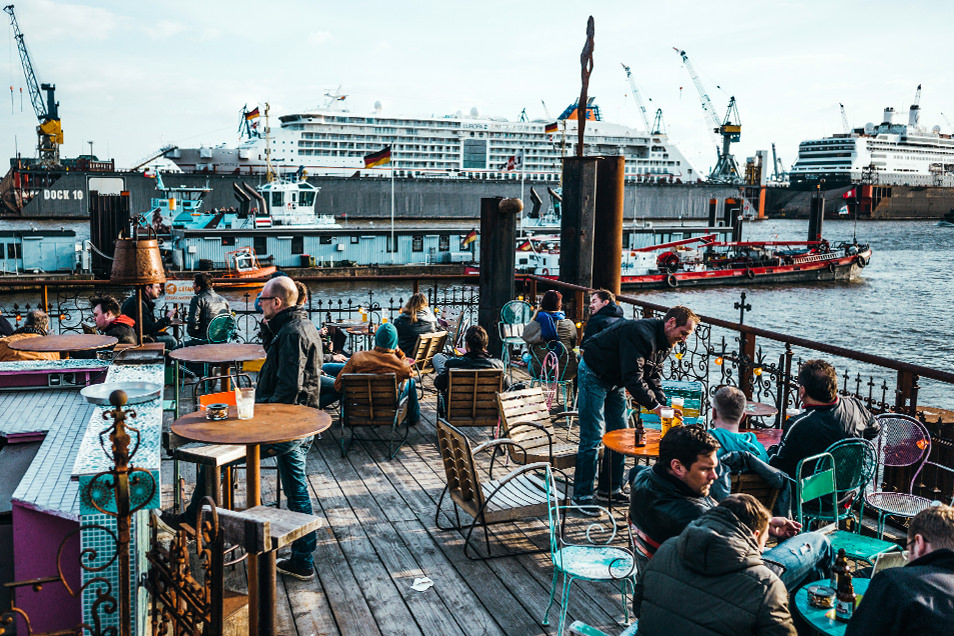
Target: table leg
(253,497)
(266,593)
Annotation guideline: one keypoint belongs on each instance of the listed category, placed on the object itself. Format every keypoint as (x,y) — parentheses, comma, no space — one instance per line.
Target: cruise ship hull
(897,202)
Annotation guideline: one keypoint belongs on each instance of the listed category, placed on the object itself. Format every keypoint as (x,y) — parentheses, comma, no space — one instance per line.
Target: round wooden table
(64,343)
(759,409)
(623,441)
(221,355)
(823,620)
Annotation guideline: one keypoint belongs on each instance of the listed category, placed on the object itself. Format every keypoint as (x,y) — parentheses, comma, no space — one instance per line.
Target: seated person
(386,357)
(153,329)
(6,329)
(827,418)
(111,322)
(603,312)
(918,599)
(415,319)
(203,307)
(668,496)
(550,324)
(475,340)
(710,579)
(37,324)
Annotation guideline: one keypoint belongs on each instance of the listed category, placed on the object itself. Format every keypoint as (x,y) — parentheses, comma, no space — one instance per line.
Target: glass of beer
(666,418)
(677,403)
(245,403)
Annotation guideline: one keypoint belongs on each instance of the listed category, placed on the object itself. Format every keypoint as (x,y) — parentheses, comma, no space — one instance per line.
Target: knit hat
(386,336)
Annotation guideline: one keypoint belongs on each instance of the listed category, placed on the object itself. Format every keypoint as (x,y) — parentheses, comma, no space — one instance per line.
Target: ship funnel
(889,115)
(913,115)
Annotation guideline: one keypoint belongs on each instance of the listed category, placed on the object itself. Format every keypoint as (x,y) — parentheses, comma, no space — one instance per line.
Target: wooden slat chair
(471,397)
(753,484)
(372,400)
(521,494)
(525,418)
(428,344)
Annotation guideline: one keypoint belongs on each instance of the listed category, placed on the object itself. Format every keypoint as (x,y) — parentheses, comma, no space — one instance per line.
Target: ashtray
(217,412)
(821,596)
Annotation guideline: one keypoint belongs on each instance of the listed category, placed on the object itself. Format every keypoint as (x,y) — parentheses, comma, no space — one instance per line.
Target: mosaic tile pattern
(45,365)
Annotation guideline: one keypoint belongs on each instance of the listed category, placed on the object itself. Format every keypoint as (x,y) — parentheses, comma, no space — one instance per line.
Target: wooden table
(357,332)
(64,343)
(271,424)
(623,441)
(823,620)
(221,355)
(759,409)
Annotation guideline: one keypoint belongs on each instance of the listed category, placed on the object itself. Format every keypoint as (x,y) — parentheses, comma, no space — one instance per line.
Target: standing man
(205,306)
(111,322)
(827,418)
(918,599)
(628,355)
(603,312)
(151,327)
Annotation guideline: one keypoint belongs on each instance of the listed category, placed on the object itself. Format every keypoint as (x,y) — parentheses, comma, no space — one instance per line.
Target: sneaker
(617,497)
(300,572)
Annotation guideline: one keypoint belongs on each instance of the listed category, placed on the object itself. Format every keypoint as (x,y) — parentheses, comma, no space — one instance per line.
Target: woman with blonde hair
(415,318)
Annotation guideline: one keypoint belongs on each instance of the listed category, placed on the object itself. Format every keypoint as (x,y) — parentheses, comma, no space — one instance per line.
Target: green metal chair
(514,315)
(593,561)
(579,628)
(221,329)
(815,479)
(855,463)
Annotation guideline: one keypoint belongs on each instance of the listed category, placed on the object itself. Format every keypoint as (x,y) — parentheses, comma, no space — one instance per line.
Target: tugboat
(243,265)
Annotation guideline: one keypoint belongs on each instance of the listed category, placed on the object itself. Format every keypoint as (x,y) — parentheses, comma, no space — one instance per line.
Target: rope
(93,247)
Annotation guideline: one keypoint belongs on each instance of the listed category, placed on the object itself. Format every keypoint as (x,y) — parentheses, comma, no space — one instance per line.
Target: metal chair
(553,366)
(373,400)
(854,467)
(514,315)
(815,478)
(523,493)
(579,628)
(221,329)
(471,397)
(903,442)
(592,561)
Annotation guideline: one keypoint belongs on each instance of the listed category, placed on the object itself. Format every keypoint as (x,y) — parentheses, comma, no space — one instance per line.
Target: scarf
(547,320)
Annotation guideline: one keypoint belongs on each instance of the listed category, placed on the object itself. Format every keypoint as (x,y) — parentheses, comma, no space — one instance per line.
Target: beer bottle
(838,569)
(845,598)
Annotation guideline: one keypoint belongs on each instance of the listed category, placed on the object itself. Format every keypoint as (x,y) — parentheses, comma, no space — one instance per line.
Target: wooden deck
(379,535)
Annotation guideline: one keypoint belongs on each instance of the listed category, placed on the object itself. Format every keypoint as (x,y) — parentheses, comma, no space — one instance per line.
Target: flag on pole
(514,162)
(550,128)
(378,158)
(526,246)
(252,114)
(849,195)
(470,238)
(708,238)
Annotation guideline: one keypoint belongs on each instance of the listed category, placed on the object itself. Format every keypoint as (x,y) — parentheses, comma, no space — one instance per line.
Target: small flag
(263,221)
(708,238)
(378,158)
(550,128)
(252,114)
(514,162)
(849,195)
(470,238)
(526,246)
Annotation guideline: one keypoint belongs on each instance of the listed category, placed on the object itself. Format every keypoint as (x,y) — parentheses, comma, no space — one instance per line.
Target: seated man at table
(917,599)
(110,321)
(475,340)
(827,418)
(203,307)
(154,329)
(386,357)
(711,579)
(37,324)
(668,496)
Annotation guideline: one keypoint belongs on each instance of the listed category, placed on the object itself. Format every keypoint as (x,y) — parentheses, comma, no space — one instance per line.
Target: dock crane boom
(844,119)
(50,131)
(639,100)
(726,169)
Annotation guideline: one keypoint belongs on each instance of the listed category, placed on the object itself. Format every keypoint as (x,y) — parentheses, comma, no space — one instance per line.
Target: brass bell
(137,261)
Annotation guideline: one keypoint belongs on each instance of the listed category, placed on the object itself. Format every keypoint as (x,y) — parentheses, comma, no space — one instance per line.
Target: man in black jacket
(112,322)
(475,339)
(827,418)
(627,355)
(918,599)
(203,307)
(151,327)
(603,312)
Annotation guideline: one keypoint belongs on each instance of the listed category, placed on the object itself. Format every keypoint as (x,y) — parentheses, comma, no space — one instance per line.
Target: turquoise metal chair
(855,463)
(815,479)
(594,561)
(221,329)
(514,315)
(579,628)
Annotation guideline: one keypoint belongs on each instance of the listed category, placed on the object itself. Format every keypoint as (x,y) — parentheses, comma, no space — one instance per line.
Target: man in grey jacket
(711,581)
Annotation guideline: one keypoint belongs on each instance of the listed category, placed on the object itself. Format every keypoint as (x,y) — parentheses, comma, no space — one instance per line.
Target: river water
(898,308)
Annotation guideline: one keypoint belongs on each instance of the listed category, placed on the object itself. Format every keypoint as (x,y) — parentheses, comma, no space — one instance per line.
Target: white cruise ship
(886,154)
(333,142)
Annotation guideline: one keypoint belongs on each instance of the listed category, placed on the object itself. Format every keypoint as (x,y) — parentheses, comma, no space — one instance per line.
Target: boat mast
(269,171)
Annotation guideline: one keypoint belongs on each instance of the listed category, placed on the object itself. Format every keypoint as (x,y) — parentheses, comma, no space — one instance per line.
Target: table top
(823,620)
(759,409)
(219,353)
(622,441)
(64,342)
(272,423)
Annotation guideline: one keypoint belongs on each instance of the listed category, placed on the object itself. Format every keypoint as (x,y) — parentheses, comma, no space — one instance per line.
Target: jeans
(599,408)
(329,371)
(291,471)
(806,557)
(168,340)
(439,361)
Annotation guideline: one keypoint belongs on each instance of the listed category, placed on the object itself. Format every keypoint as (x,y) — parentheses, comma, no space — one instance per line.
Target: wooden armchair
(525,418)
(471,397)
(373,400)
(427,345)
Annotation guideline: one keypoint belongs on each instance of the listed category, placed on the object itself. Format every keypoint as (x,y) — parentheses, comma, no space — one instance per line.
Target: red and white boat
(243,266)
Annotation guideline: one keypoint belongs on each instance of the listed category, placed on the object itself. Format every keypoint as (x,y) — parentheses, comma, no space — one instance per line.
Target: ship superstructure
(333,142)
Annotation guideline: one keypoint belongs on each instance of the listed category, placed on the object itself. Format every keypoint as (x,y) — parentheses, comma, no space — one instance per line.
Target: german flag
(252,114)
(470,238)
(550,128)
(378,158)
(525,246)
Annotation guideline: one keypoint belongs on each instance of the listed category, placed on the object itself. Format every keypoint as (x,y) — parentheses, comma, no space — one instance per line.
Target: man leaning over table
(917,599)
(291,375)
(627,355)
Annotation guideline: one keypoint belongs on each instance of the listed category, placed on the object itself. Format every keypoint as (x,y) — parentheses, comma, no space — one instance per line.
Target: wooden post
(906,395)
(46,299)
(498,235)
(608,224)
(747,347)
(578,220)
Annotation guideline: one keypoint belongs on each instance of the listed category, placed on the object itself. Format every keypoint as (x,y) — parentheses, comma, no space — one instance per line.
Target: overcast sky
(133,76)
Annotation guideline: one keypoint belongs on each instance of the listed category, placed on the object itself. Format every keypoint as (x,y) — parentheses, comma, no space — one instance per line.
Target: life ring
(750,274)
(832,267)
(546,272)
(672,281)
(860,261)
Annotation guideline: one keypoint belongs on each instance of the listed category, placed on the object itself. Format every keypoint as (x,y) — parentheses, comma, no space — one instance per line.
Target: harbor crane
(639,100)
(659,128)
(948,122)
(844,119)
(49,132)
(778,167)
(726,169)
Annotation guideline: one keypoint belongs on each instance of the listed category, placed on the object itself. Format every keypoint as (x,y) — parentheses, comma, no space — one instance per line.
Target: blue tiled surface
(43,365)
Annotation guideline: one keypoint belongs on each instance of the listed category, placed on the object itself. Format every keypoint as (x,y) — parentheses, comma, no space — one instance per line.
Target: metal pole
(393,246)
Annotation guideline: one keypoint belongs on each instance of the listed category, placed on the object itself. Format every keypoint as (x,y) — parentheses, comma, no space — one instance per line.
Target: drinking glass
(245,402)
(677,403)
(665,421)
